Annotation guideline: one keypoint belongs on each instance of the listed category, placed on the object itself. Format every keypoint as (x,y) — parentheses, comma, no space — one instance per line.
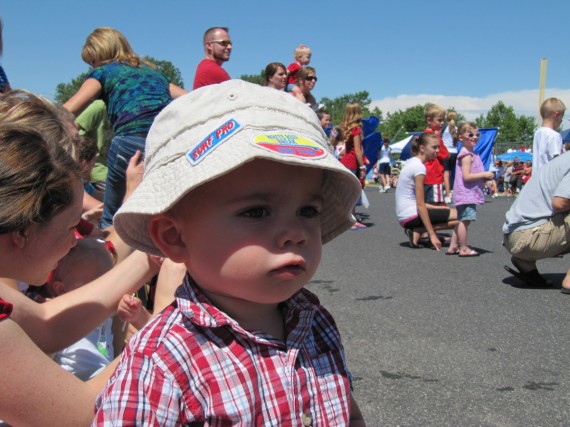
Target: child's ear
(164,232)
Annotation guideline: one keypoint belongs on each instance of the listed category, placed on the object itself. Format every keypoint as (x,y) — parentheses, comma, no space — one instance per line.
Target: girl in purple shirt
(470,177)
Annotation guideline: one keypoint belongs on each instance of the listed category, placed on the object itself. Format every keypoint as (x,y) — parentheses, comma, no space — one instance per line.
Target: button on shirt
(195,363)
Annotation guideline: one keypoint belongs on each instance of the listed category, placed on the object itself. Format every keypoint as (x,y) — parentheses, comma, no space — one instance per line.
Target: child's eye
(309,211)
(257,212)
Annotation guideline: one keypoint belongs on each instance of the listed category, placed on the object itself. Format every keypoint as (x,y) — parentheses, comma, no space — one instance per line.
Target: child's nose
(292,232)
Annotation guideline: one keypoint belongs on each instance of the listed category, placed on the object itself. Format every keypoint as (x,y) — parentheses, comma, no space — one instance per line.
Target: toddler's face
(253,235)
(305,58)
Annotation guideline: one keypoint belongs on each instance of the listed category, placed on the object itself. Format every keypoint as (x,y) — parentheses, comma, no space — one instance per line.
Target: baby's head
(303,54)
(237,175)
(84,263)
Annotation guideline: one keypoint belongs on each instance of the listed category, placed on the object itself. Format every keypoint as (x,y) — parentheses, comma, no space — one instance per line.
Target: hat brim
(216,129)
(165,186)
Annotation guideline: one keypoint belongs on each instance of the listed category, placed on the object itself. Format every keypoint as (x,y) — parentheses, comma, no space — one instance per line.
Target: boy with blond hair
(241,186)
(547,142)
(434,181)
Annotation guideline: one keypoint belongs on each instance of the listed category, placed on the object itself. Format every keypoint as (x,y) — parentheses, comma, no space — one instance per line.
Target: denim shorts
(120,152)
(466,212)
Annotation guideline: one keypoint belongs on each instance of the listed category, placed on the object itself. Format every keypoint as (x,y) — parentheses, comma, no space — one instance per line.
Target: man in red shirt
(217,48)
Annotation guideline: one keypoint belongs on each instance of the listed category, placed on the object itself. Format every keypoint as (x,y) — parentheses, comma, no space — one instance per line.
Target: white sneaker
(386,188)
(447,200)
(381,189)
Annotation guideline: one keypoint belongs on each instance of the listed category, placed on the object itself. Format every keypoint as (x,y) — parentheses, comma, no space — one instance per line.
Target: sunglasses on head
(224,43)
(311,79)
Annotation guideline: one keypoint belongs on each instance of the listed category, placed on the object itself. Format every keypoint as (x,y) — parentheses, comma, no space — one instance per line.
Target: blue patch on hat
(213,140)
(287,144)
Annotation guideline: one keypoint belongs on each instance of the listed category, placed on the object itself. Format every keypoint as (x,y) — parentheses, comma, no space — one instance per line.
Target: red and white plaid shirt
(193,363)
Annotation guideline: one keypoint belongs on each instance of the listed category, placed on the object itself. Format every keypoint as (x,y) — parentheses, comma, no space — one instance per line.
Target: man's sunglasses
(224,43)
(311,79)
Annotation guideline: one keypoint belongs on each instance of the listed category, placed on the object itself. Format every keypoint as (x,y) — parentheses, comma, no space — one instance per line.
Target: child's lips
(293,269)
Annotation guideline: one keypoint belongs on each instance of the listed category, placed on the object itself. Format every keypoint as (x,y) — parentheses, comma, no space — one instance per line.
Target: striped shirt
(193,363)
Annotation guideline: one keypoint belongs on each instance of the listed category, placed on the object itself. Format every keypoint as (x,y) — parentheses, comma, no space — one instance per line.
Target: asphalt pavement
(436,340)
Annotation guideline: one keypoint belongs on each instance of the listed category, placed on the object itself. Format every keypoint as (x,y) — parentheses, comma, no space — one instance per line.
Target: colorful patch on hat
(287,144)
(213,140)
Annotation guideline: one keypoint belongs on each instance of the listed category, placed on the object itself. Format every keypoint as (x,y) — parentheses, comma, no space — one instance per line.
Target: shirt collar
(196,306)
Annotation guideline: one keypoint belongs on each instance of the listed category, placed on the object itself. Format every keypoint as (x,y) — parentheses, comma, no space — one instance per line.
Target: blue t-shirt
(133,96)
(533,206)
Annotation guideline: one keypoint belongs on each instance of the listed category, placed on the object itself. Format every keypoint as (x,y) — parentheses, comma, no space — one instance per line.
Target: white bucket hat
(216,129)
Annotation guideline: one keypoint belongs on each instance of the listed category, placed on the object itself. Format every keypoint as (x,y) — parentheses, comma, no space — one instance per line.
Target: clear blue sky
(456,52)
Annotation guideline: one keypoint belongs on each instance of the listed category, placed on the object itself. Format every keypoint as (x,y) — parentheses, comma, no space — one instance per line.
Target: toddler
(240,185)
(302,58)
(470,177)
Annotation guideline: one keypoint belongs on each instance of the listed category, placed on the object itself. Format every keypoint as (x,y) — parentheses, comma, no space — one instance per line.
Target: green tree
(397,123)
(253,78)
(513,130)
(336,106)
(64,91)
(168,69)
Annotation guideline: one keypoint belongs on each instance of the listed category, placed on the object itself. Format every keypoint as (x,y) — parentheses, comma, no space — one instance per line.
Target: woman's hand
(435,241)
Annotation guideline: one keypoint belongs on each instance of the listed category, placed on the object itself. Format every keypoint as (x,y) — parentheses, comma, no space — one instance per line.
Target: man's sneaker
(386,187)
(381,189)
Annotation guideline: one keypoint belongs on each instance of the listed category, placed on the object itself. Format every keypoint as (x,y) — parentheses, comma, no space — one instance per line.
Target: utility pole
(543,65)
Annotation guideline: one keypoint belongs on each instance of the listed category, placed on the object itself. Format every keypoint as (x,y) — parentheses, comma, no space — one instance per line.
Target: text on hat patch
(287,144)
(210,142)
